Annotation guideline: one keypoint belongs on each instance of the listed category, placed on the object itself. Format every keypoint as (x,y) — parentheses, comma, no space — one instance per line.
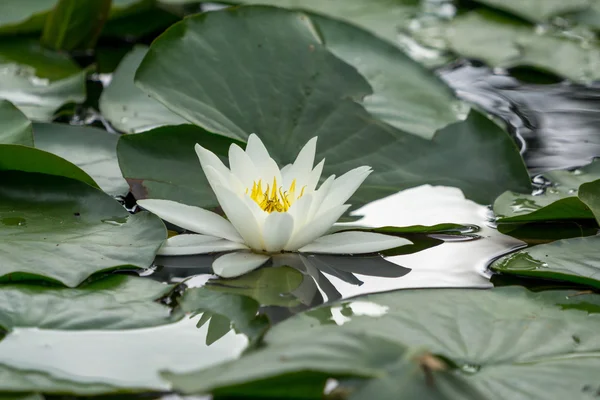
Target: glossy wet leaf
(126,106)
(15,157)
(15,128)
(537,10)
(560,201)
(91,149)
(385,18)
(123,362)
(59,229)
(288,88)
(589,193)
(574,260)
(37,80)
(226,310)
(74,24)
(18,16)
(116,302)
(162,163)
(516,43)
(405,94)
(545,340)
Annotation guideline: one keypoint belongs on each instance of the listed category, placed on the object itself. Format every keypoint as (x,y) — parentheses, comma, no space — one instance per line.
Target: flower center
(274,198)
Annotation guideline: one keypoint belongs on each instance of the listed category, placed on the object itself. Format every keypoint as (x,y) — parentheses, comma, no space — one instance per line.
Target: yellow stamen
(274,198)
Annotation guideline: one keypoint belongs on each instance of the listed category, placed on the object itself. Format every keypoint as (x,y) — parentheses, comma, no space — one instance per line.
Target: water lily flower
(269,210)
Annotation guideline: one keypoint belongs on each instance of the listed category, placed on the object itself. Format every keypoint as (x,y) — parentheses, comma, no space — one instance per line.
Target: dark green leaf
(589,193)
(116,302)
(64,230)
(93,150)
(75,24)
(17,16)
(15,128)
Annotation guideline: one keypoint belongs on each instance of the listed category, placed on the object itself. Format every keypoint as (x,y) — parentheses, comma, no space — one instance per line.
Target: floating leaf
(64,230)
(18,16)
(162,163)
(557,202)
(288,88)
(15,128)
(556,350)
(15,157)
(516,43)
(74,24)
(126,106)
(537,10)
(589,193)
(116,302)
(93,150)
(36,80)
(572,260)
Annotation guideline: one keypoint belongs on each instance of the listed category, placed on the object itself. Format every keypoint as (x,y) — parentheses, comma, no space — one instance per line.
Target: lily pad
(406,95)
(15,157)
(589,193)
(572,260)
(162,163)
(91,149)
(74,24)
(371,338)
(116,302)
(36,80)
(537,10)
(15,128)
(518,44)
(24,16)
(127,107)
(558,202)
(229,309)
(59,229)
(288,88)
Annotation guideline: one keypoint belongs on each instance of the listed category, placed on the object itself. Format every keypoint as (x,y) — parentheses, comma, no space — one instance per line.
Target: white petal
(314,176)
(315,228)
(181,245)
(345,186)
(208,158)
(299,210)
(303,165)
(266,167)
(277,231)
(236,264)
(354,243)
(192,218)
(241,166)
(319,197)
(241,216)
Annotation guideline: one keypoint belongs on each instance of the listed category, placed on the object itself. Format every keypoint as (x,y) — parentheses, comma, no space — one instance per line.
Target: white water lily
(269,210)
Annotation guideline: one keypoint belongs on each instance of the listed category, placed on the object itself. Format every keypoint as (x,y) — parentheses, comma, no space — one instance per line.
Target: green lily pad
(558,202)
(59,229)
(24,16)
(288,88)
(537,10)
(162,163)
(126,106)
(406,95)
(589,193)
(385,18)
(14,157)
(91,149)
(225,311)
(74,24)
(572,260)
(517,44)
(372,337)
(15,128)
(116,302)
(37,80)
